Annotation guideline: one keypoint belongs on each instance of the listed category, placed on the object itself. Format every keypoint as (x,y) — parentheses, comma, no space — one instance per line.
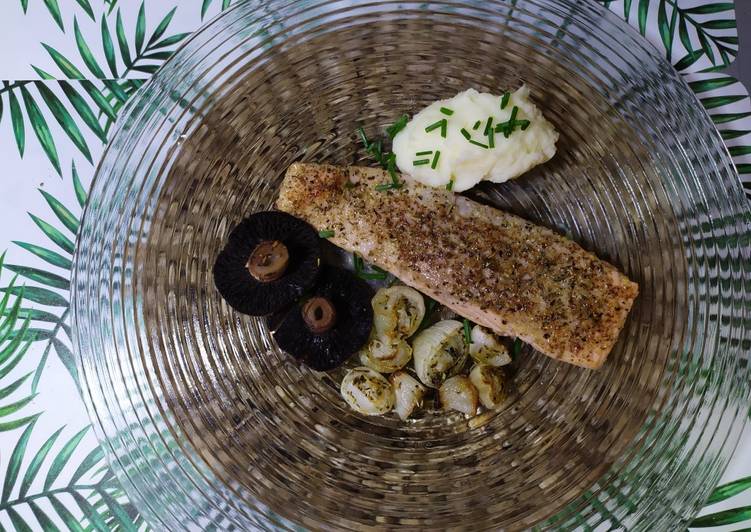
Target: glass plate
(208,425)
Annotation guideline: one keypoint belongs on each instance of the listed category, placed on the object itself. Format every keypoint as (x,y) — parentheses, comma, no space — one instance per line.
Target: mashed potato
(467,154)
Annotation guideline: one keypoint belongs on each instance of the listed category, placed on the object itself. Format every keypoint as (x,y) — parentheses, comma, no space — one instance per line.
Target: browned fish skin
(494,268)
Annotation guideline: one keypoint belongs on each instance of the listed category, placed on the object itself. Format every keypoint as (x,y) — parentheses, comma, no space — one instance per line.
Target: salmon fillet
(494,268)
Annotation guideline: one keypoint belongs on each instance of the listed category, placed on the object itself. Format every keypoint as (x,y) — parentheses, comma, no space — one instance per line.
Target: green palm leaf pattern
(131,58)
(13,345)
(126,54)
(36,95)
(53,8)
(117,59)
(719,94)
(206,4)
(726,517)
(705,31)
(49,287)
(98,496)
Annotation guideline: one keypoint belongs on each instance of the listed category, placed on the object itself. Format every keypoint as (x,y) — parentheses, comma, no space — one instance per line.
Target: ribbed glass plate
(208,425)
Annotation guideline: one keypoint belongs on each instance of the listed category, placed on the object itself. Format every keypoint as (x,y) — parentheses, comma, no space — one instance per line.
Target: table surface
(52,134)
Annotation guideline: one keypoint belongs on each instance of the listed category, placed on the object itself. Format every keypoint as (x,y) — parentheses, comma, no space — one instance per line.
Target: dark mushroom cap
(350,297)
(245,293)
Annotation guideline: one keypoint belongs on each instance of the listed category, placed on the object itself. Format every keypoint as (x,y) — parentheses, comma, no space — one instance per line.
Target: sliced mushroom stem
(319,314)
(268,261)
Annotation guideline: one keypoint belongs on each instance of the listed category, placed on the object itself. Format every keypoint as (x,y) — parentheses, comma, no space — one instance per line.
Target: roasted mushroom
(270,259)
(333,323)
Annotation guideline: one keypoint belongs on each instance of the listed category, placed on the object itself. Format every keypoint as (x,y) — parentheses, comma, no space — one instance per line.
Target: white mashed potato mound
(467,164)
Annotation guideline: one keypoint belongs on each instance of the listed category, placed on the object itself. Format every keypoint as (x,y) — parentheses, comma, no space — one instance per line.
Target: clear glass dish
(208,425)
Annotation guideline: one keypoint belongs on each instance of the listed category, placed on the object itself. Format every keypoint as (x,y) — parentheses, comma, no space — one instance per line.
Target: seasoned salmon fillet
(494,268)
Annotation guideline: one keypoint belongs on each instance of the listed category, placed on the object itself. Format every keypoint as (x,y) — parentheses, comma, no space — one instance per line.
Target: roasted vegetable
(367,391)
(486,348)
(490,383)
(458,393)
(386,354)
(397,311)
(269,260)
(334,323)
(408,393)
(439,352)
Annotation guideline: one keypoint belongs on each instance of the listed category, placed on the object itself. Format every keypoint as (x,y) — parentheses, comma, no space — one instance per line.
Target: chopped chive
(491,138)
(420,162)
(505,99)
(387,186)
(435,159)
(376,150)
(488,126)
(517,348)
(363,137)
(391,168)
(477,124)
(466,134)
(430,306)
(443,128)
(428,152)
(508,127)
(524,124)
(372,276)
(450,185)
(360,269)
(373,148)
(480,144)
(467,335)
(447,111)
(397,126)
(435,125)
(326,233)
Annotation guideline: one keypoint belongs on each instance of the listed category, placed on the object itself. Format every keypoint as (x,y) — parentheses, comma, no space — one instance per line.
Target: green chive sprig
(426,152)
(397,126)
(488,126)
(450,185)
(326,233)
(442,123)
(447,111)
(516,349)
(386,160)
(504,99)
(375,149)
(421,162)
(377,274)
(467,334)
(391,168)
(512,123)
(434,163)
